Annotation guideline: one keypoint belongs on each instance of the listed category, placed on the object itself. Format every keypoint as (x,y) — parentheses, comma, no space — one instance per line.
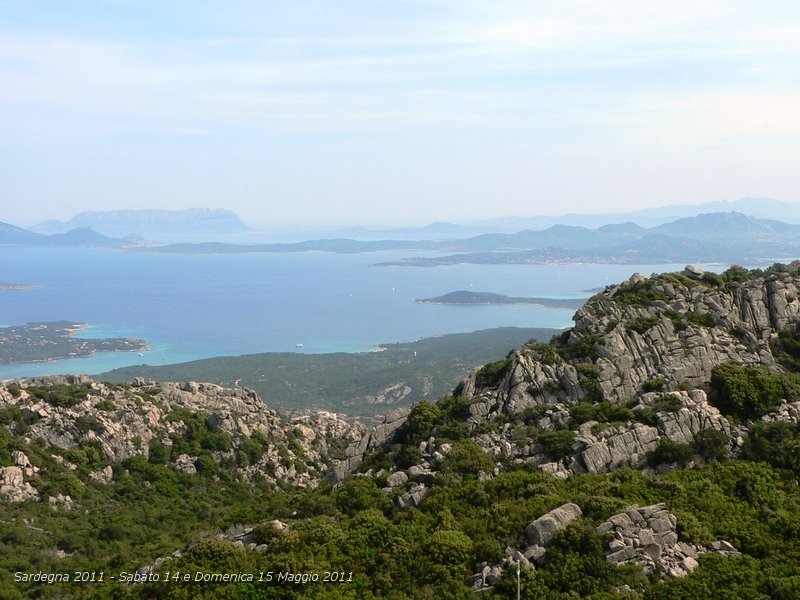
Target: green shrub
(584,348)
(588,377)
(491,374)
(638,294)
(656,384)
(666,403)
(557,444)
(10,415)
(105,405)
(786,348)
(446,556)
(355,495)
(750,392)
(467,458)
(61,394)
(206,465)
(86,423)
(777,443)
(701,319)
(711,444)
(737,274)
(158,453)
(603,412)
(582,412)
(547,353)
(642,324)
(421,421)
(669,452)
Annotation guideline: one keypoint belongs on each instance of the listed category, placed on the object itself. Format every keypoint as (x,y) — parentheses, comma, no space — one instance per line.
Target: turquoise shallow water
(196,306)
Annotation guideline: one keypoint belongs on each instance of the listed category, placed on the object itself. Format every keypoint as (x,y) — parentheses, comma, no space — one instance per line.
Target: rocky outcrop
(603,447)
(647,536)
(543,529)
(128,420)
(664,333)
(539,534)
(369,440)
(13,486)
(611,447)
(673,328)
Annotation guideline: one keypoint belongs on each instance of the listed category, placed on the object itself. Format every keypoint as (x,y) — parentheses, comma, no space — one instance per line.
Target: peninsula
(37,342)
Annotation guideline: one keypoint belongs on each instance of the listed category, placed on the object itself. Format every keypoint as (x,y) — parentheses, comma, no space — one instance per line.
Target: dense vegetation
(151,511)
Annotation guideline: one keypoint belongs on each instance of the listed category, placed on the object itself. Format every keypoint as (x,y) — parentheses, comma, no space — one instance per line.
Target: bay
(199,306)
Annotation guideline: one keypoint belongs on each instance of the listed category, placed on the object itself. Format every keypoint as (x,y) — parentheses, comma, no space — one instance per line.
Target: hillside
(649,452)
(362,383)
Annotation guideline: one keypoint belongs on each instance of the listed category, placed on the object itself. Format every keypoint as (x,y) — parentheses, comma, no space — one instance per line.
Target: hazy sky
(395,111)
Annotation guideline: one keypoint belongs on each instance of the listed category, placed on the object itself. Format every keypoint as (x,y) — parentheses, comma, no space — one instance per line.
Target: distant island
(38,342)
(16,287)
(150,222)
(466,297)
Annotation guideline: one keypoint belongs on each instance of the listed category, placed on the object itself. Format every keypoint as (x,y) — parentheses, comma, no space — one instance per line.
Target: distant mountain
(84,236)
(764,208)
(726,226)
(152,224)
(438,230)
(715,237)
(10,235)
(557,235)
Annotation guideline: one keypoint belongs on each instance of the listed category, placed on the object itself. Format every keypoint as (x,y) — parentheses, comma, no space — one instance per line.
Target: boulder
(14,487)
(396,479)
(541,531)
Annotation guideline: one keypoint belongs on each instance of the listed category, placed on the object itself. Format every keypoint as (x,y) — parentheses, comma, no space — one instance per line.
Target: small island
(16,287)
(472,298)
(38,342)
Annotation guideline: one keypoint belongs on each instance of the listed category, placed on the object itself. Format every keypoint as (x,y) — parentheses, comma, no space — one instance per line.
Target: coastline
(50,341)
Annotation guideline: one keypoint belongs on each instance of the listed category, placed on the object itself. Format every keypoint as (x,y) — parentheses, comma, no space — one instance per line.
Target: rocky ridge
(672,327)
(73,413)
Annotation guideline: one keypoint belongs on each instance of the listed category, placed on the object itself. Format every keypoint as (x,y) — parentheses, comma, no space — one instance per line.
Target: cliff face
(669,330)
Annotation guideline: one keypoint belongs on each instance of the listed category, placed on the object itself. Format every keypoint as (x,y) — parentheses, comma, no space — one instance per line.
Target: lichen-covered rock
(647,536)
(14,487)
(541,531)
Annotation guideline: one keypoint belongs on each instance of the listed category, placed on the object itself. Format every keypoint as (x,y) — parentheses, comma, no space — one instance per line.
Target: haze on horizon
(400,112)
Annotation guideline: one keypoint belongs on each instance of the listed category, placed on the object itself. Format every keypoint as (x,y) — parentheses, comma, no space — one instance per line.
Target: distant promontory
(467,297)
(37,342)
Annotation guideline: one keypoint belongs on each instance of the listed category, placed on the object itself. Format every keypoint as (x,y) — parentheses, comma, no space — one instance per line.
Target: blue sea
(198,306)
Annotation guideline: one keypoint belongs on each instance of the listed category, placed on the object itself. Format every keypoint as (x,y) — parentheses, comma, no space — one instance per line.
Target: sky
(394,112)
